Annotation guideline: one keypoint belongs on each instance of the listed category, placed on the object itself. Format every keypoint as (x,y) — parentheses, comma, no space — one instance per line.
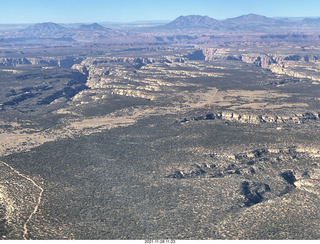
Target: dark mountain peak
(251,18)
(311,21)
(192,21)
(45,27)
(254,23)
(93,27)
(192,18)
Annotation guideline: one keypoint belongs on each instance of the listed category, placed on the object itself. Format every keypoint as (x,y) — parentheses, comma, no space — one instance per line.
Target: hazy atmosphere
(82,11)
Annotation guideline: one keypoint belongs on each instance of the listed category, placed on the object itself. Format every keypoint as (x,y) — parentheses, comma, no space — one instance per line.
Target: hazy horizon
(141,22)
(126,11)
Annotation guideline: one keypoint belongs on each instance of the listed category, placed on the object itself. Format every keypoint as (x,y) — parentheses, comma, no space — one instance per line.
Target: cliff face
(295,65)
(229,116)
(14,61)
(301,66)
(107,75)
(122,76)
(62,62)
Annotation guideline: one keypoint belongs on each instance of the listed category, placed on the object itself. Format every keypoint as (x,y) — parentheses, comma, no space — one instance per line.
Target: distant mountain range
(244,23)
(56,28)
(188,29)
(249,22)
(56,32)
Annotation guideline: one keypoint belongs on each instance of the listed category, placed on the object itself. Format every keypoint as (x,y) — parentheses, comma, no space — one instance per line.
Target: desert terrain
(188,130)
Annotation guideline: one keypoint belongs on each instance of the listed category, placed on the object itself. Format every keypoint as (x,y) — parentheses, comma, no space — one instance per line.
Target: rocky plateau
(195,129)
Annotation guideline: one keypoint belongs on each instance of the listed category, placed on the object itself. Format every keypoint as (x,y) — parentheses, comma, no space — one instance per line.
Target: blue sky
(86,11)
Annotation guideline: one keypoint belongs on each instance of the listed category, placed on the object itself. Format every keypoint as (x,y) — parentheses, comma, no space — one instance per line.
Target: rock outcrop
(62,62)
(229,116)
(254,168)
